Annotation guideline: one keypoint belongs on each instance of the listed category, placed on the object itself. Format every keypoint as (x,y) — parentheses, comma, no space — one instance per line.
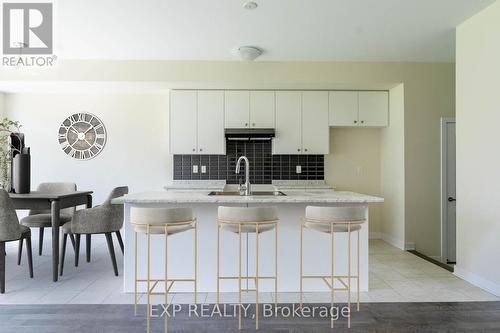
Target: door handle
(451,199)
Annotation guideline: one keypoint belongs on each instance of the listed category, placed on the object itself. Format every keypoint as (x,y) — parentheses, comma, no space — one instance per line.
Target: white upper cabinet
(262,109)
(373,108)
(301,123)
(363,108)
(183,132)
(315,129)
(288,138)
(211,138)
(197,122)
(237,108)
(343,108)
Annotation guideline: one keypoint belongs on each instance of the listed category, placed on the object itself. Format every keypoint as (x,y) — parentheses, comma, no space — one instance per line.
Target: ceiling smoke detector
(248,53)
(250,5)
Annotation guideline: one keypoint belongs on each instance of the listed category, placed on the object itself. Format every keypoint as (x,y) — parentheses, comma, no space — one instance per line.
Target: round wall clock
(82,136)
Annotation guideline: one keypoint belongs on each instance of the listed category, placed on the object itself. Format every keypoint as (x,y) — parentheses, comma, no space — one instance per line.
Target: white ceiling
(357,30)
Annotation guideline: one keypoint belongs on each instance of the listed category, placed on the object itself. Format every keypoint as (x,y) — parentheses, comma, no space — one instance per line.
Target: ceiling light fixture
(248,53)
(250,5)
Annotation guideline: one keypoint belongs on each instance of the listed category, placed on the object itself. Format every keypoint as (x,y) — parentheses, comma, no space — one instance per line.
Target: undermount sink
(262,193)
(257,189)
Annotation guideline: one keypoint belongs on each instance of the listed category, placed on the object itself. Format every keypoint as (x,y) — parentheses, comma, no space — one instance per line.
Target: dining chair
(42,218)
(104,219)
(11,230)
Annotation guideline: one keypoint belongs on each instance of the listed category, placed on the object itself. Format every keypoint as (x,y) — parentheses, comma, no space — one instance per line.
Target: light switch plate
(203,169)
(298,169)
(195,169)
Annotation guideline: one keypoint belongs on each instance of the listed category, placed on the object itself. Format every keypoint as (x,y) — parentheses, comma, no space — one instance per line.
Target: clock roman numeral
(81,117)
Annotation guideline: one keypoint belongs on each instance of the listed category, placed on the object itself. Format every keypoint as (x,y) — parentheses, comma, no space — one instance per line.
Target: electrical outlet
(203,169)
(195,169)
(298,169)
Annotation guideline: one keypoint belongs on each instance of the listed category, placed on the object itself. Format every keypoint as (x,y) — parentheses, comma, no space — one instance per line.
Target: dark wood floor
(373,317)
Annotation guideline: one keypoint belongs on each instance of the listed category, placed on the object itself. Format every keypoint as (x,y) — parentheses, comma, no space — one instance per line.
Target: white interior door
(448,175)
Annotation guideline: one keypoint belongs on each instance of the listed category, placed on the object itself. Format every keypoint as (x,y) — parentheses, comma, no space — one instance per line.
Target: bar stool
(334,220)
(162,221)
(241,220)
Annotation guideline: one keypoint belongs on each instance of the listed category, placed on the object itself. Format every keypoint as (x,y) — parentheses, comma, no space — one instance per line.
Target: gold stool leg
(257,276)
(349,275)
(218,272)
(357,263)
(148,318)
(276,265)
(196,262)
(239,278)
(301,268)
(135,273)
(166,275)
(332,282)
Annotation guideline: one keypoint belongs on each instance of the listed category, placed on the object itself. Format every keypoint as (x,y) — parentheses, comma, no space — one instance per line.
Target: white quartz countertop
(295,196)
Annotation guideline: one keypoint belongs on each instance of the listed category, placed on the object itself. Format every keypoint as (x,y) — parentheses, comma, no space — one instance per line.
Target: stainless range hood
(249,134)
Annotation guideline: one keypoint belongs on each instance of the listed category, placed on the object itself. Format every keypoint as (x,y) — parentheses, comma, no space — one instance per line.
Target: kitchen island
(291,208)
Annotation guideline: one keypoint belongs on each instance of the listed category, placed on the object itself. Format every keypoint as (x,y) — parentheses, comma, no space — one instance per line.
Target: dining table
(52,202)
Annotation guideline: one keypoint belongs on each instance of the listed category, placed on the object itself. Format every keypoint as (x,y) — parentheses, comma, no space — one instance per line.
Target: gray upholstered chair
(41,218)
(104,219)
(11,230)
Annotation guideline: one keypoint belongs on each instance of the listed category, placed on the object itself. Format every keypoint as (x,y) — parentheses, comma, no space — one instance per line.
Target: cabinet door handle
(305,149)
(246,124)
(362,121)
(298,149)
(201,149)
(253,124)
(355,121)
(194,149)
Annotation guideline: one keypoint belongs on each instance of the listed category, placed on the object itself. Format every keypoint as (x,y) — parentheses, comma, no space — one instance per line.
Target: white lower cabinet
(197,122)
(301,123)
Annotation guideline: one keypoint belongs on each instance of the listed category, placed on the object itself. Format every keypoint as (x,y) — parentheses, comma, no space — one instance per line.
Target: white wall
(136,153)
(478,158)
(354,165)
(392,177)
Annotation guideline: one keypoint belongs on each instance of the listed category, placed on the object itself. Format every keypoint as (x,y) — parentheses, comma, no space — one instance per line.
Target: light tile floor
(395,276)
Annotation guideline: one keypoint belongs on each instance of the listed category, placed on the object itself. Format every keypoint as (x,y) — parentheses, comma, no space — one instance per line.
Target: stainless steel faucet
(246,188)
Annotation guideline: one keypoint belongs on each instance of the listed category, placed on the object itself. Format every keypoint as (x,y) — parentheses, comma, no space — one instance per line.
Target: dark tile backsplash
(264,167)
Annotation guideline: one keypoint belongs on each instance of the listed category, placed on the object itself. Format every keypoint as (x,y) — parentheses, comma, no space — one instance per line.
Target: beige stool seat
(231,218)
(160,230)
(325,227)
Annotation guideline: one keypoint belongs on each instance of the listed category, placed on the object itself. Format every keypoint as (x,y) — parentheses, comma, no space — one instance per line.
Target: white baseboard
(478,281)
(410,246)
(393,241)
(375,235)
